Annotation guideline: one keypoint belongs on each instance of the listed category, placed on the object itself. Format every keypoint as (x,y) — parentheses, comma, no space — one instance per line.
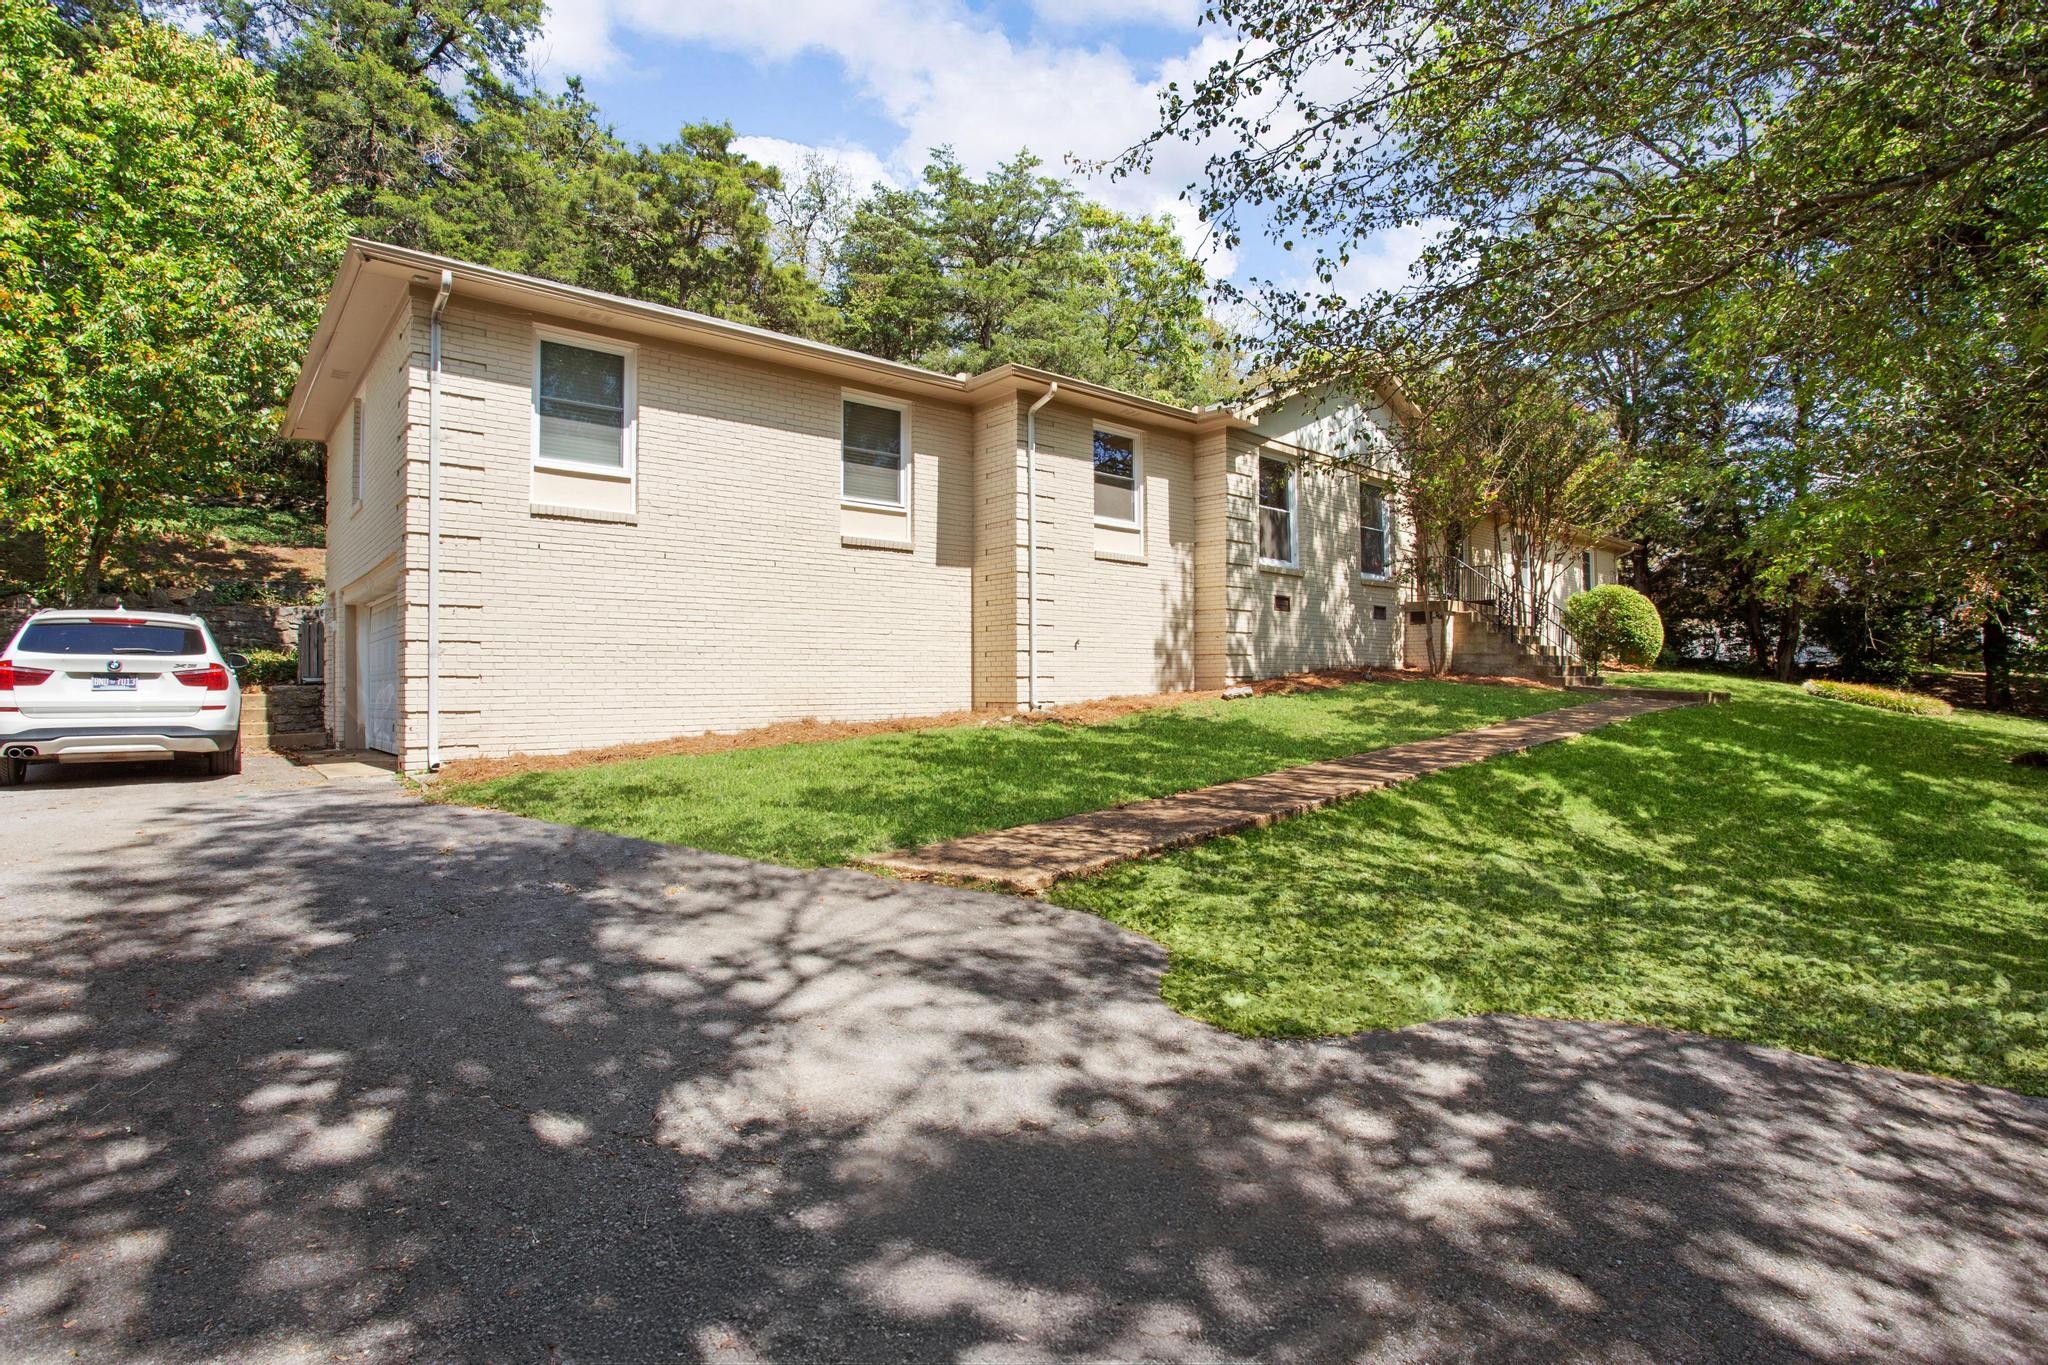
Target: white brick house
(727,527)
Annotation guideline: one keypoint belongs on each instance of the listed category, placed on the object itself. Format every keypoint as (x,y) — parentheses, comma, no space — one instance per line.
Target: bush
(1884,698)
(270,666)
(1613,622)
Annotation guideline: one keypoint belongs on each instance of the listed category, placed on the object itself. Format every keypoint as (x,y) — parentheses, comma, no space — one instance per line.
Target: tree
(810,214)
(1016,267)
(162,255)
(378,86)
(1862,177)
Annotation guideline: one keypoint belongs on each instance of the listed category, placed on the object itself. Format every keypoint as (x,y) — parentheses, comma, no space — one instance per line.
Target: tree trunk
(106,520)
(1753,626)
(1997,662)
(1788,644)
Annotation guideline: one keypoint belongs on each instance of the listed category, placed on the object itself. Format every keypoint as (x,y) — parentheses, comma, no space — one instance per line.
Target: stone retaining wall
(239,626)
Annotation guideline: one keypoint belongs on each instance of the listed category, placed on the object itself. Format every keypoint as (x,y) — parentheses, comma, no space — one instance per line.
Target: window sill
(1114,557)
(556,513)
(855,504)
(1376,580)
(590,471)
(870,543)
(1280,570)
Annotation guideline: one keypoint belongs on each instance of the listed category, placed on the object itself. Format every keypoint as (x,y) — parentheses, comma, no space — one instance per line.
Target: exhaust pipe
(21,751)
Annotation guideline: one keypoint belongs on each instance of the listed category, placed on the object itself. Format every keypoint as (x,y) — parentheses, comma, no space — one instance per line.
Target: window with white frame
(871,445)
(355,450)
(583,397)
(1373,530)
(1276,511)
(1119,496)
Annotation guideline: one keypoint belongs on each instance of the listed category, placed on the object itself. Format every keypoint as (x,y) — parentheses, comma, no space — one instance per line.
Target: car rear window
(110,637)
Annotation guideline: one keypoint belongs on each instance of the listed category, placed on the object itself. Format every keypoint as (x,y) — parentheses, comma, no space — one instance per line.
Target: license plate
(113,684)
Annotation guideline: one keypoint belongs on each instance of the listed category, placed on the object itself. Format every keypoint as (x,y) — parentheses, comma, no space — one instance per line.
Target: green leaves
(965,273)
(162,260)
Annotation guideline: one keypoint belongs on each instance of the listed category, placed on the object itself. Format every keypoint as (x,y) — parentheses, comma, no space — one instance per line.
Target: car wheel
(225,762)
(13,772)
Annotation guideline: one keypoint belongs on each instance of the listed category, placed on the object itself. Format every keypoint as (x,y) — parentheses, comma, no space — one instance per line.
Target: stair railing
(1525,618)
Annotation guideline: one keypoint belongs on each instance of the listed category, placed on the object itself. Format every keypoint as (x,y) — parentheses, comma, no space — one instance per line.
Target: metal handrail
(1499,600)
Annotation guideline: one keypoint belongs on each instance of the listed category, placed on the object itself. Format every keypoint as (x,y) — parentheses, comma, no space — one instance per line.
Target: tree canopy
(962,273)
(162,255)
(1823,217)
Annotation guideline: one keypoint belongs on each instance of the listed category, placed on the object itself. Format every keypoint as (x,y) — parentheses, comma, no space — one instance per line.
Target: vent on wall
(1282,602)
(1379,613)
(1418,618)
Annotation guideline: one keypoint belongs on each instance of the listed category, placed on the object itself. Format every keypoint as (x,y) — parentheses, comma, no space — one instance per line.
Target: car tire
(225,762)
(13,772)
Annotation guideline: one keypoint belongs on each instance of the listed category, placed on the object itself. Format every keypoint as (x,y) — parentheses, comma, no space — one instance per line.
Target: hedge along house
(560,519)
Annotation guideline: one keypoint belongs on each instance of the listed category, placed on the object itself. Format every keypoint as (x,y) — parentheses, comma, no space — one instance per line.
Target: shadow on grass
(334,1074)
(1848,883)
(818,804)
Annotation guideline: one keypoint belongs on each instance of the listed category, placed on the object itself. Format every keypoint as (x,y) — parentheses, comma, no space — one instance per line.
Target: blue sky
(874,83)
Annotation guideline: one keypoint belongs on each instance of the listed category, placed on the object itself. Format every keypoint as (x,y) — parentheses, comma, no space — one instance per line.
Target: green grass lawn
(809,805)
(1785,870)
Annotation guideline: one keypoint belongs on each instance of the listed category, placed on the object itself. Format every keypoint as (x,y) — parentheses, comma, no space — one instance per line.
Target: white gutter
(1031,538)
(434,522)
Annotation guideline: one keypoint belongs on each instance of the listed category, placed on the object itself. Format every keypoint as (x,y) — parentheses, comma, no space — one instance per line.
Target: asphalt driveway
(321,1072)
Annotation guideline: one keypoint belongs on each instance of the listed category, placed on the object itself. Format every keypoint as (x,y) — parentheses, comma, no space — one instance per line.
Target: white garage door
(377,633)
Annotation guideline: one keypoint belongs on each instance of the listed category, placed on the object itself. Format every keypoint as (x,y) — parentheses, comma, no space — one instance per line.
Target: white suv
(109,686)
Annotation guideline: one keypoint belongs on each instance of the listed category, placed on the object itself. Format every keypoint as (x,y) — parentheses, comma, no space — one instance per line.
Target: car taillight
(116,621)
(13,675)
(213,677)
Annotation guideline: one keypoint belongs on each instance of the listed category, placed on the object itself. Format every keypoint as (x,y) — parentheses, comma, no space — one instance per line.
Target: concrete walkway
(1030,858)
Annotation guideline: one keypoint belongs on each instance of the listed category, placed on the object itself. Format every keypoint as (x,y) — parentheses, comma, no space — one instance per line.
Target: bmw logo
(113,665)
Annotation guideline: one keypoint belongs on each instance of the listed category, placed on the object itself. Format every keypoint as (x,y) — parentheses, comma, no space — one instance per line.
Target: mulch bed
(822,732)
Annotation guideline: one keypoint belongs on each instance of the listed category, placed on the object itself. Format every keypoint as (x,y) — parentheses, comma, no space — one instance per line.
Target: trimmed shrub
(270,666)
(1884,698)
(1613,622)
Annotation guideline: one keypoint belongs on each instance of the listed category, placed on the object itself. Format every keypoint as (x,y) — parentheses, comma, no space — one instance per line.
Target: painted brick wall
(1329,622)
(1109,627)
(361,538)
(727,602)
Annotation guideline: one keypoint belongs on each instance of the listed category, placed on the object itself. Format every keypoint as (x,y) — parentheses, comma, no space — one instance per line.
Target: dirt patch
(811,731)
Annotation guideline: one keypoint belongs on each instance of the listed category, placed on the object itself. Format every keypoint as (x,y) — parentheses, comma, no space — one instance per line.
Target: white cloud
(941,73)
(576,40)
(945,75)
(1107,13)
(1385,260)
(862,166)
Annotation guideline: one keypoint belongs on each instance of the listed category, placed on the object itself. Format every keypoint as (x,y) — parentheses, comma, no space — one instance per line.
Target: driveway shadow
(335,1072)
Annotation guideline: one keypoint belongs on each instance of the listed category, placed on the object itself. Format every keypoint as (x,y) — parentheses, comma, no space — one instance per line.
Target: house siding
(1113,622)
(728,600)
(365,542)
(1329,620)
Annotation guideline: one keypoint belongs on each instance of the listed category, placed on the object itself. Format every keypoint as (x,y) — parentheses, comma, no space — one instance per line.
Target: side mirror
(237,662)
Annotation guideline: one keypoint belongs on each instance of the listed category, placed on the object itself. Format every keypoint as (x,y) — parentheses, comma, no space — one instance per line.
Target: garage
(377,637)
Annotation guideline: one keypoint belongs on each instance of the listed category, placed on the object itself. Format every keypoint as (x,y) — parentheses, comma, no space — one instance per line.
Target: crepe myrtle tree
(1848,189)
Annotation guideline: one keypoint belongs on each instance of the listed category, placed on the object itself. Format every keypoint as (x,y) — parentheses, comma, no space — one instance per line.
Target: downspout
(1031,540)
(434,522)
